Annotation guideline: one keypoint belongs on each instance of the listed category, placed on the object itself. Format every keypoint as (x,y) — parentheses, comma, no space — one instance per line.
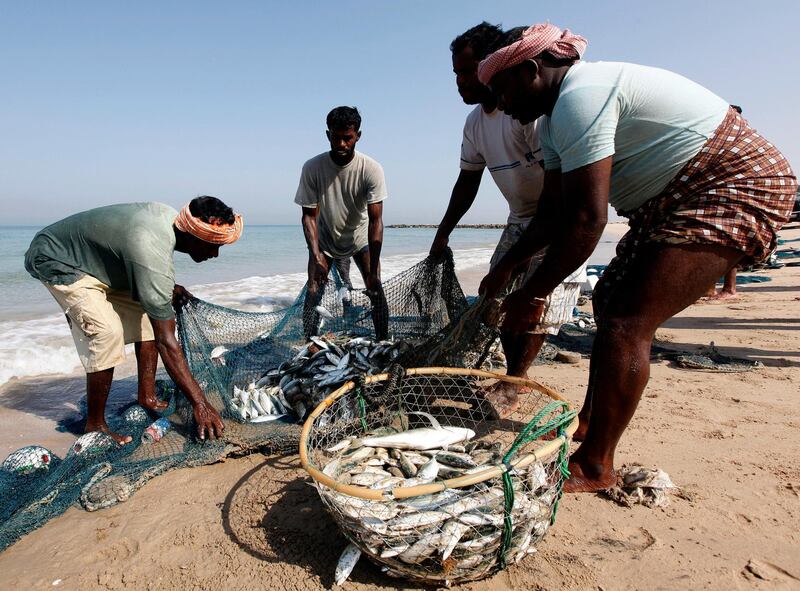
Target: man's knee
(621,328)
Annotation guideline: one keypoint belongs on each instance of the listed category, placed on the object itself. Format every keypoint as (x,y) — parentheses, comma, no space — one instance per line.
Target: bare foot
(504,398)
(152,403)
(580,482)
(121,439)
(722,296)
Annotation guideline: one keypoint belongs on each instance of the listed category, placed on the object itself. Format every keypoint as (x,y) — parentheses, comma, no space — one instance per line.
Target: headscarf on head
(535,39)
(215,234)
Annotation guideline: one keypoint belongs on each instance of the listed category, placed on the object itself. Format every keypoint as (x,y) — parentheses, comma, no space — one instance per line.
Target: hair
(344,117)
(737,108)
(483,39)
(211,210)
(515,34)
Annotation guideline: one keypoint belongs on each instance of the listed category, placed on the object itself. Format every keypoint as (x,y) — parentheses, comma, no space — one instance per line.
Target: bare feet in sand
(721,296)
(121,439)
(152,403)
(504,398)
(589,477)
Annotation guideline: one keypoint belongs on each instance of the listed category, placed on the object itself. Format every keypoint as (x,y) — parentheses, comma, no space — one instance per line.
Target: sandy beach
(729,441)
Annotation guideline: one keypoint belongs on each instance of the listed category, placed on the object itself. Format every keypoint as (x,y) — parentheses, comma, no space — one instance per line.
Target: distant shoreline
(465,226)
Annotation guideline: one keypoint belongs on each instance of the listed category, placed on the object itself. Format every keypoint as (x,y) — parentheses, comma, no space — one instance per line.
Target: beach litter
(425,483)
(157,430)
(637,485)
(30,459)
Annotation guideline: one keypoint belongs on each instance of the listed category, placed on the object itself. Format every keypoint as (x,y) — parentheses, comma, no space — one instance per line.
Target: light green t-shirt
(342,194)
(128,247)
(651,121)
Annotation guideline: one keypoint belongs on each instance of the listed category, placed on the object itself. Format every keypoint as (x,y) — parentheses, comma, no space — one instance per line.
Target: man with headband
(111,271)
(511,152)
(701,189)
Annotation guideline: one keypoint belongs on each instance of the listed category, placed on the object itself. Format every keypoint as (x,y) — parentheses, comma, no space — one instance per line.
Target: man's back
(127,246)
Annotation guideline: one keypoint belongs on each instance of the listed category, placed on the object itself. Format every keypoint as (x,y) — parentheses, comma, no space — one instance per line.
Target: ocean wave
(43,346)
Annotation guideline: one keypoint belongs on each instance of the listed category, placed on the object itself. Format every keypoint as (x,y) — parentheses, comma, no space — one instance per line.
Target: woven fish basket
(472,519)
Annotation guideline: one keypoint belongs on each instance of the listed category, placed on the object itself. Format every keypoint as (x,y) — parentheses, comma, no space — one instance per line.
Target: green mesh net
(415,306)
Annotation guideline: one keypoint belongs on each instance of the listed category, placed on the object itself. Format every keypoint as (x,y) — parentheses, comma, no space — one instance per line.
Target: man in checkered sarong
(701,189)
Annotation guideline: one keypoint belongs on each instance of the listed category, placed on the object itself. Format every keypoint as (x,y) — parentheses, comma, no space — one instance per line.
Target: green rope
(533,430)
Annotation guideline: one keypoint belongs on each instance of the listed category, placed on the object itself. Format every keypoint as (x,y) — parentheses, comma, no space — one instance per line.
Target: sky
(108,102)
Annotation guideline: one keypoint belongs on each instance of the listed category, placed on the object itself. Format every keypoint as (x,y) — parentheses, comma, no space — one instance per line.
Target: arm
(375,237)
(537,235)
(311,234)
(577,232)
(207,418)
(461,199)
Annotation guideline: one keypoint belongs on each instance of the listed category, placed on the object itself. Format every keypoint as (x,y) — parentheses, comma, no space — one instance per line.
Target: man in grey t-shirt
(342,192)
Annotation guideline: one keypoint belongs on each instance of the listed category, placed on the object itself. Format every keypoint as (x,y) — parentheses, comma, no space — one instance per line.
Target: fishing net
(449,514)
(36,486)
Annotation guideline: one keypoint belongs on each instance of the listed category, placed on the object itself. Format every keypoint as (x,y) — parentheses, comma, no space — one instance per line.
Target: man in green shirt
(111,271)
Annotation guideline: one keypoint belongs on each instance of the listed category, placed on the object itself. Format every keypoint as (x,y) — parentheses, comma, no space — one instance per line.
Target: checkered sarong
(737,192)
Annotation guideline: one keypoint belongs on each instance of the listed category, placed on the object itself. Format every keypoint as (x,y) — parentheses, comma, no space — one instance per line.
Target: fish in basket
(425,480)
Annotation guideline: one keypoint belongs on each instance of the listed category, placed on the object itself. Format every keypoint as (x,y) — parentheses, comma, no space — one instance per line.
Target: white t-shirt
(511,152)
(651,121)
(342,194)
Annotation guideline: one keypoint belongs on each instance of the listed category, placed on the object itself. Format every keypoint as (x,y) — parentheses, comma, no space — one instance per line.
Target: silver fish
(392,551)
(420,439)
(322,311)
(457,460)
(413,521)
(422,548)
(428,471)
(452,532)
(347,561)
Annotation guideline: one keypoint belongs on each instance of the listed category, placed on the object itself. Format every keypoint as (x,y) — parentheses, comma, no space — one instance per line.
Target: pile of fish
(260,404)
(319,367)
(451,536)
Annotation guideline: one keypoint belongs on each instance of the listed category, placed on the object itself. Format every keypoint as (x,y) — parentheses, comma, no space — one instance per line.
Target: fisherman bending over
(342,192)
(511,152)
(701,189)
(111,271)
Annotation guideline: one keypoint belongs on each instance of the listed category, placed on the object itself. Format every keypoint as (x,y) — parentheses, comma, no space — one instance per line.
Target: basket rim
(405,492)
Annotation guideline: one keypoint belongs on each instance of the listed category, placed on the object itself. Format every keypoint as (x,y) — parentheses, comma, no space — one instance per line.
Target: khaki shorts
(561,302)
(102,320)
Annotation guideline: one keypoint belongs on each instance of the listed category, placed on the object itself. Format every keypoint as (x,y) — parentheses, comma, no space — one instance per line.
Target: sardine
(322,311)
(412,521)
(457,460)
(408,468)
(452,532)
(422,548)
(347,561)
(428,471)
